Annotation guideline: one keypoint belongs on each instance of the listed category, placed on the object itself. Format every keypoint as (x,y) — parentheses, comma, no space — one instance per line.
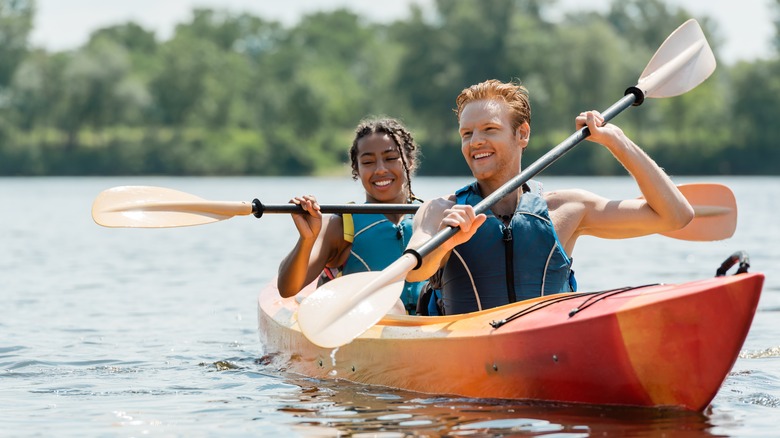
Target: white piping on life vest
(365,265)
(368,268)
(547,265)
(471,278)
(371,225)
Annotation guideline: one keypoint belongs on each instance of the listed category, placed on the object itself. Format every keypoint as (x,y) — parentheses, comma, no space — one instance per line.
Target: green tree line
(237,94)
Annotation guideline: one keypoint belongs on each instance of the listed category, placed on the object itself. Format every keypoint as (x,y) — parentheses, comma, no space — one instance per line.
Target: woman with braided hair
(383,157)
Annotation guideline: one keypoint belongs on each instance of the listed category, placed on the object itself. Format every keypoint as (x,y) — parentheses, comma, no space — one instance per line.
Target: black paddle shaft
(634,96)
(258,208)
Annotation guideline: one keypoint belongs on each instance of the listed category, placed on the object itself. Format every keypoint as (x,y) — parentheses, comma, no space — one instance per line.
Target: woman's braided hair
(401,137)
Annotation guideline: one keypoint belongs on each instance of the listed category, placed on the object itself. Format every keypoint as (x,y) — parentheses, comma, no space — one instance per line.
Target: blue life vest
(501,264)
(376,243)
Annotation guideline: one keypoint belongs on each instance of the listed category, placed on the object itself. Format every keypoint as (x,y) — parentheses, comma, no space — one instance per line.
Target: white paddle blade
(329,319)
(683,61)
(157,207)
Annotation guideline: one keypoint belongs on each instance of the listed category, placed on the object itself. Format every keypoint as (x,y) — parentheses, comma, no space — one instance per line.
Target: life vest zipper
(510,268)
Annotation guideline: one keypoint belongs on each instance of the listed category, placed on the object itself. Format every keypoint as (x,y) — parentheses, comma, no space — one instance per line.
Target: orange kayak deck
(655,346)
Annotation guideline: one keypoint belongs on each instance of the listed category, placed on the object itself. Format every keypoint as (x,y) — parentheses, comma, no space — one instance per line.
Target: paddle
(157,207)
(715,209)
(344,308)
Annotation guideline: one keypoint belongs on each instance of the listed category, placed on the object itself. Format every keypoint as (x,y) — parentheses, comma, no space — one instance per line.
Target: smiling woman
(383,157)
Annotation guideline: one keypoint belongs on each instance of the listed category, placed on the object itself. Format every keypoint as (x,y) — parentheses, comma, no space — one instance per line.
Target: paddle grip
(417,257)
(639,94)
(257,208)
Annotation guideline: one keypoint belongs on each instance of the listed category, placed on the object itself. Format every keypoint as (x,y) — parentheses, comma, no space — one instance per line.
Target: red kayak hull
(654,346)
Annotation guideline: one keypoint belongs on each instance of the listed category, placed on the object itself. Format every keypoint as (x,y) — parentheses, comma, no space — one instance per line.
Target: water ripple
(11,349)
(761,354)
(762,399)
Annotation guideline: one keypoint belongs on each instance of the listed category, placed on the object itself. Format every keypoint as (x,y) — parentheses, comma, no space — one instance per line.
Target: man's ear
(523,134)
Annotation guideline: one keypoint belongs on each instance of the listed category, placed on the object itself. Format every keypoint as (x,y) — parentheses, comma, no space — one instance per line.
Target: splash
(760,354)
(333,372)
(333,356)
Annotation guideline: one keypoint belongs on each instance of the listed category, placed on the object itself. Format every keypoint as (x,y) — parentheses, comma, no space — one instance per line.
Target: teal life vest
(502,264)
(376,243)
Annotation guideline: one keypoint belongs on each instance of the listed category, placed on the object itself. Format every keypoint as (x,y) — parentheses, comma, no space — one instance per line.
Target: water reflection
(338,408)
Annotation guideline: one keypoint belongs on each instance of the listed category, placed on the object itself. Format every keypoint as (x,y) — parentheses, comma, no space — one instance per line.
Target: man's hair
(514,94)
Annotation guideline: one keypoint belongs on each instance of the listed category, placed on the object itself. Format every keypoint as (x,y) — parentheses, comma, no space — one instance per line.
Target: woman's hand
(309,224)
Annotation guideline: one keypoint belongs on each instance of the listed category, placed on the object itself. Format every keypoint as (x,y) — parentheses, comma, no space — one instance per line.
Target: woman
(383,156)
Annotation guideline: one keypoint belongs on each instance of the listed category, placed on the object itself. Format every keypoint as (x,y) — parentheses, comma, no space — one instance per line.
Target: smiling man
(522,247)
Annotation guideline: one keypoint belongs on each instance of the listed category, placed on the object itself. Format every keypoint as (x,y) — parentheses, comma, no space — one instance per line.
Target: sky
(745,25)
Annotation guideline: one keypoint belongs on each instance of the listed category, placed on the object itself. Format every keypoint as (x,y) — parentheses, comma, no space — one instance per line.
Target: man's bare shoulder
(567,209)
(557,198)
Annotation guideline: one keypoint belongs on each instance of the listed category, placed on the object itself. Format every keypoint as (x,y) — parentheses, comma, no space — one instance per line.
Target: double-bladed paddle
(342,309)
(159,207)
(714,206)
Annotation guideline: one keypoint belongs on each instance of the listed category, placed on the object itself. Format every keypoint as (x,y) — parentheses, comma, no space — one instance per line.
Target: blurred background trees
(235,94)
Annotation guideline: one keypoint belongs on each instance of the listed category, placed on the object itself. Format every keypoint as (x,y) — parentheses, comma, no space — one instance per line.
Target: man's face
(491,148)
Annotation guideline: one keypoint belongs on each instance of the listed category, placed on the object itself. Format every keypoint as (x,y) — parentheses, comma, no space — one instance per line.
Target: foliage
(236,94)
(16,19)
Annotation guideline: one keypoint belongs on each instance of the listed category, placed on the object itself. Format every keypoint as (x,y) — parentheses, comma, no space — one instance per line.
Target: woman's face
(381,169)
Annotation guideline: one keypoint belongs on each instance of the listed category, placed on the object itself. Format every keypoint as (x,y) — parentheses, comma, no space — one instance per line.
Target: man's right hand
(462,216)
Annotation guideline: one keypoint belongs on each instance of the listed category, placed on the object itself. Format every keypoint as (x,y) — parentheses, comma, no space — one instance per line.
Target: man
(520,249)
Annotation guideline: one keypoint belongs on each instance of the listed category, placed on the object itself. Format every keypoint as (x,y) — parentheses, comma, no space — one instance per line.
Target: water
(132,332)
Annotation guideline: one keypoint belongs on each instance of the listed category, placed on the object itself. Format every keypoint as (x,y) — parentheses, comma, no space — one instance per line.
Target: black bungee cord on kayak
(592,299)
(740,257)
(606,294)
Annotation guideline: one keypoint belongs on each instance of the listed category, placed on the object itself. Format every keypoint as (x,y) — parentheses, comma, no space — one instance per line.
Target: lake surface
(133,332)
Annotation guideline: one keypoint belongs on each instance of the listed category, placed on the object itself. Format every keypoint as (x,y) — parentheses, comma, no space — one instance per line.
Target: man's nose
(477,138)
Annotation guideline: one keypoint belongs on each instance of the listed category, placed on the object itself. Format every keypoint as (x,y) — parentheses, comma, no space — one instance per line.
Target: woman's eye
(366,163)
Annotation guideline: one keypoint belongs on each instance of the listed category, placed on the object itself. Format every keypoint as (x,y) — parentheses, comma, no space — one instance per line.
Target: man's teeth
(482,155)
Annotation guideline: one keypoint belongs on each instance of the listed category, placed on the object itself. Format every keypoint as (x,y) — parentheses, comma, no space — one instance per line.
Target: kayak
(663,345)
